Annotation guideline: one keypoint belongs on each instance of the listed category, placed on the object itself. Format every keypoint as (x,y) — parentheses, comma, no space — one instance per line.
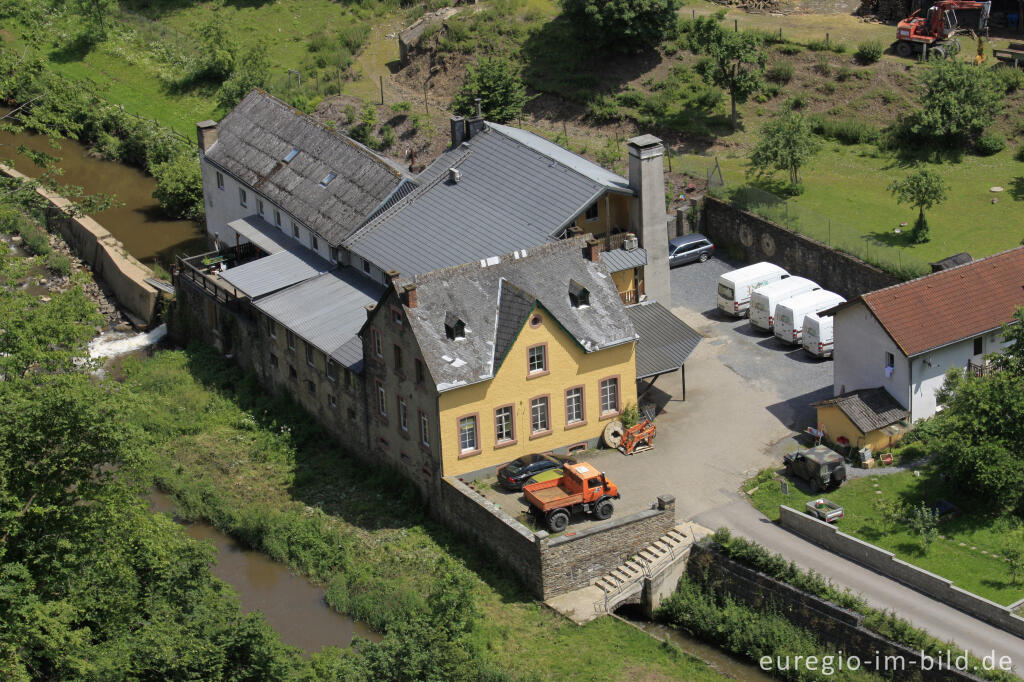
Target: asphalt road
(938,619)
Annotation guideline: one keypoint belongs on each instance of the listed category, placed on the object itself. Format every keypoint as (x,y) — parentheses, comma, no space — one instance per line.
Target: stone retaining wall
(831,623)
(878,559)
(91,242)
(759,239)
(549,566)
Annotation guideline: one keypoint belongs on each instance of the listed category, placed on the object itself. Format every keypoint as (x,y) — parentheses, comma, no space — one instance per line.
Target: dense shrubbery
(844,130)
(869,52)
(989,144)
(780,72)
(622,24)
(496,82)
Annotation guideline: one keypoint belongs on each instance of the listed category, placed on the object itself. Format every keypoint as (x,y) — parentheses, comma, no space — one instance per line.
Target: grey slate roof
(275,272)
(327,311)
(494,299)
(665,341)
(253,140)
(868,408)
(617,260)
(516,191)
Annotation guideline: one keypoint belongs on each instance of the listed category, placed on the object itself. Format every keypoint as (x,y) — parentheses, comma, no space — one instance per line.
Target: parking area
(746,393)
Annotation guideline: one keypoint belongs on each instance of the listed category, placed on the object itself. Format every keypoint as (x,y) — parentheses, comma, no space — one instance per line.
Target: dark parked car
(821,467)
(514,475)
(689,248)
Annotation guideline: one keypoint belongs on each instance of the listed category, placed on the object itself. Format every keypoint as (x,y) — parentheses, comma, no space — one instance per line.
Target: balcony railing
(202,269)
(979,369)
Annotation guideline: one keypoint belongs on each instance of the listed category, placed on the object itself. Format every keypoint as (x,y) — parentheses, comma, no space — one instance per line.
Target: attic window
(454,328)
(579,296)
(327,179)
(291,155)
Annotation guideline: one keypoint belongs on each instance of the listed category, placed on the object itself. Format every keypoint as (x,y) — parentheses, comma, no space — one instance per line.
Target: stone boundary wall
(549,566)
(91,242)
(759,239)
(832,624)
(878,559)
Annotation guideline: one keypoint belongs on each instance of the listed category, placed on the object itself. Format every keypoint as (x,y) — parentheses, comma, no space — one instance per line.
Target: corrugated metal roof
(261,233)
(253,141)
(275,272)
(327,311)
(617,260)
(945,307)
(500,293)
(665,341)
(868,408)
(510,196)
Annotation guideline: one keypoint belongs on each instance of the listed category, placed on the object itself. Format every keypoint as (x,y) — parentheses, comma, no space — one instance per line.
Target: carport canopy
(665,341)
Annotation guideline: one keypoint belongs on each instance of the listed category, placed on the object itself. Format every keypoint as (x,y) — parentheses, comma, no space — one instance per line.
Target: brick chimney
(592,250)
(392,275)
(458,124)
(647,212)
(411,298)
(206,134)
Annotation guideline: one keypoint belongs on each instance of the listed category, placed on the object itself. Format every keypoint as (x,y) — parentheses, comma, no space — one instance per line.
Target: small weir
(294,607)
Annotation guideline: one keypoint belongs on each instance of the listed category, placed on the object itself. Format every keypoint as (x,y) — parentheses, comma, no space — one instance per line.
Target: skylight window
(327,179)
(291,155)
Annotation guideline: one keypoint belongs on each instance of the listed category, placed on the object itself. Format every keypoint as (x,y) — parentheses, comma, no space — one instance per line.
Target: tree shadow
(75,50)
(1017,188)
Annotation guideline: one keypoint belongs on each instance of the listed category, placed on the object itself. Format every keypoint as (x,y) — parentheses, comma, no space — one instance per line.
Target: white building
(905,338)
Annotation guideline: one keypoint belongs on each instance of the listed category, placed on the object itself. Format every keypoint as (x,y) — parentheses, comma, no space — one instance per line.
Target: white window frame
(578,410)
(504,424)
(540,415)
(403,414)
(469,437)
(531,358)
(607,386)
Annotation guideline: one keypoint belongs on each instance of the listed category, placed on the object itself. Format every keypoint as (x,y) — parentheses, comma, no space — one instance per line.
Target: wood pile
(762,5)
(885,10)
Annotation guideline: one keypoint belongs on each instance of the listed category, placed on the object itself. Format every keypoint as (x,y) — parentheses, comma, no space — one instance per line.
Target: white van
(817,337)
(734,288)
(764,300)
(789,315)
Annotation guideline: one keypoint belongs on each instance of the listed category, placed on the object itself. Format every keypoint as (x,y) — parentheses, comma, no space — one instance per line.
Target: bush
(909,453)
(496,81)
(1019,155)
(1010,77)
(823,66)
(844,130)
(823,46)
(60,263)
(35,240)
(623,24)
(790,48)
(179,186)
(796,102)
(989,144)
(401,107)
(603,109)
(630,98)
(780,72)
(844,74)
(387,137)
(869,52)
(920,233)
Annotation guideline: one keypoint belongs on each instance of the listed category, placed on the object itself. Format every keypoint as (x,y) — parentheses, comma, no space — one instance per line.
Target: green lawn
(965,565)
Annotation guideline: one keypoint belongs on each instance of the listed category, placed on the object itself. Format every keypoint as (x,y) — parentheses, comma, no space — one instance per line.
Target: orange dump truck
(581,488)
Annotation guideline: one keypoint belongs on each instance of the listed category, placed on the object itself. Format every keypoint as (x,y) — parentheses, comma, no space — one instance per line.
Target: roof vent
(291,155)
(454,175)
(454,328)
(579,296)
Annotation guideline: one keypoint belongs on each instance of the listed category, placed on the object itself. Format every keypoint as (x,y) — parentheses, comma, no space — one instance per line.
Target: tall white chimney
(647,212)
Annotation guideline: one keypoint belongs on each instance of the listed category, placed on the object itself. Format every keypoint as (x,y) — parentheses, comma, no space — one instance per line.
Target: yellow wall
(624,280)
(836,424)
(568,366)
(619,206)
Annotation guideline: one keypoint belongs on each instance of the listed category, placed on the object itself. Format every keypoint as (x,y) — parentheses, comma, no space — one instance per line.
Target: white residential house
(905,338)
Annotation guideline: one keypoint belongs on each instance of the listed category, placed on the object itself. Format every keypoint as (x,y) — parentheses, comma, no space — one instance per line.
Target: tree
(925,522)
(735,59)
(959,102)
(922,189)
(891,510)
(622,25)
(251,71)
(498,85)
(1013,552)
(179,186)
(1012,357)
(96,14)
(786,144)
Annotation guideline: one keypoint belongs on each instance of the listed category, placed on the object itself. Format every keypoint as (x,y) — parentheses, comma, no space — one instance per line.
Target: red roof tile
(948,306)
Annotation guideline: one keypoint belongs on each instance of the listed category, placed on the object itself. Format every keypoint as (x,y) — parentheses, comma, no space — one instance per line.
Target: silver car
(689,248)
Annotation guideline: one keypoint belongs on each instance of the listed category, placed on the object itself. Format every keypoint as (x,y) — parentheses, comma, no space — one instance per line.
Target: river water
(139,224)
(294,607)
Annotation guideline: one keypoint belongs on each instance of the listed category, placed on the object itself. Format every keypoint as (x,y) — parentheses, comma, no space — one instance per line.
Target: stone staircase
(626,581)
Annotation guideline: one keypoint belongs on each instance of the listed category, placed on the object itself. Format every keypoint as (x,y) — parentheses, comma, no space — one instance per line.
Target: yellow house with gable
(472,366)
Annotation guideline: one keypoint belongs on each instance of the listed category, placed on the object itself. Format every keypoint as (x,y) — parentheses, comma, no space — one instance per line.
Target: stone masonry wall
(758,239)
(878,559)
(832,624)
(573,560)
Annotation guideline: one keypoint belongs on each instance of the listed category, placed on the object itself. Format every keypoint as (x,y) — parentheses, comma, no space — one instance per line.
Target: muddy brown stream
(139,224)
(294,607)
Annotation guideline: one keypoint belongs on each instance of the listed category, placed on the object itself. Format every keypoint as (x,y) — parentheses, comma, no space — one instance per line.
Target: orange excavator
(932,33)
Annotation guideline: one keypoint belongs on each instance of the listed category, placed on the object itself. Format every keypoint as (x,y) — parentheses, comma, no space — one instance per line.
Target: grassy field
(967,553)
(224,448)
